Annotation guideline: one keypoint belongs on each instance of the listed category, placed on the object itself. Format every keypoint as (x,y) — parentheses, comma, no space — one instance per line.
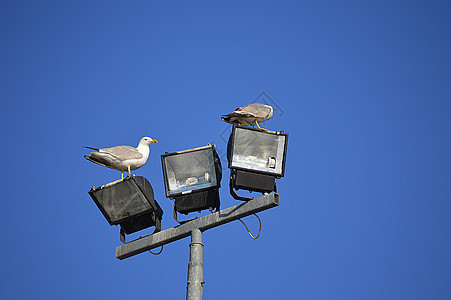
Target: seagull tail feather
(225,118)
(96,149)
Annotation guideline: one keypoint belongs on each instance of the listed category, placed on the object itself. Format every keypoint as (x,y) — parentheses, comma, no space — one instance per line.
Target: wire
(259,230)
(158,252)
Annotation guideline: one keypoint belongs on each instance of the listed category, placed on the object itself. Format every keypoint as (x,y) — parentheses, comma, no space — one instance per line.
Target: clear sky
(361,87)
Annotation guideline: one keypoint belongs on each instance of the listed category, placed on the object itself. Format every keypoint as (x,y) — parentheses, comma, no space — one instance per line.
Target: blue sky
(362,89)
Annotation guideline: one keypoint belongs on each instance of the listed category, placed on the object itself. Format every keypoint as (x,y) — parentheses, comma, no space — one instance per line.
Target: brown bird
(249,115)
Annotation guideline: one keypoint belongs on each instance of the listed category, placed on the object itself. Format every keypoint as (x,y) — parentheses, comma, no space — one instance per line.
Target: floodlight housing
(130,203)
(256,158)
(193,178)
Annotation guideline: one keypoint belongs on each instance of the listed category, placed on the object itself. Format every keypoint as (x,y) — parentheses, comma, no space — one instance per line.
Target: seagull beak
(154,141)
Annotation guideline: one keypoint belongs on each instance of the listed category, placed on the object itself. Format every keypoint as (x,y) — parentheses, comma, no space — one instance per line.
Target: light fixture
(256,158)
(129,203)
(192,177)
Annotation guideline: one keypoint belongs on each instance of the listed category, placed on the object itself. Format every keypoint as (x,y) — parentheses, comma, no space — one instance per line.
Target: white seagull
(249,115)
(122,158)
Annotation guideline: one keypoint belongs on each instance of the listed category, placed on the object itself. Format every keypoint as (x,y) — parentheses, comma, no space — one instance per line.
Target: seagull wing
(100,159)
(257,109)
(240,113)
(123,152)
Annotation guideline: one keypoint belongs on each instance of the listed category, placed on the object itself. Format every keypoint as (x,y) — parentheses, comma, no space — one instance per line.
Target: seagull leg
(260,127)
(122,175)
(129,172)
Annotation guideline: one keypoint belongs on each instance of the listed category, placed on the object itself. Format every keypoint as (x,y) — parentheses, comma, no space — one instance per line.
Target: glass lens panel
(190,171)
(122,200)
(258,151)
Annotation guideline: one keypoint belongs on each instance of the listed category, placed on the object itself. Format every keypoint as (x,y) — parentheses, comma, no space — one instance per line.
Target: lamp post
(195,228)
(192,178)
(194,288)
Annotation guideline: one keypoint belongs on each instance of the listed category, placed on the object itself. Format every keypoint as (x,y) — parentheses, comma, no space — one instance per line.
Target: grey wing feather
(99,159)
(240,114)
(123,152)
(257,109)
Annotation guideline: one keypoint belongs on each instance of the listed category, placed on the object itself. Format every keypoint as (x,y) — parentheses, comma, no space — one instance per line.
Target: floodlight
(129,203)
(192,177)
(256,158)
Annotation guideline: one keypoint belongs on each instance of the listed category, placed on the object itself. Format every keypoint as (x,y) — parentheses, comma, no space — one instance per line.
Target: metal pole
(195,267)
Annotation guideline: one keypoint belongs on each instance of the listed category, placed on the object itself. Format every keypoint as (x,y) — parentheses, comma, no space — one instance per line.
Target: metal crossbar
(204,223)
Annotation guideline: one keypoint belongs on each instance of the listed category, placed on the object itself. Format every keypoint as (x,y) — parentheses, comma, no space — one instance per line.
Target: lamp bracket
(181,222)
(269,184)
(234,194)
(155,219)
(122,235)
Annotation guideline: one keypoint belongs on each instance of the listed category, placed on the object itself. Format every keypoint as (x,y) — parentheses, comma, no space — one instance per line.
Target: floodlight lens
(190,171)
(124,200)
(258,151)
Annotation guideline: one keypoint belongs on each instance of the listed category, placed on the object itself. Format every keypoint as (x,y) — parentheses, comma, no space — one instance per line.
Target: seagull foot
(266,130)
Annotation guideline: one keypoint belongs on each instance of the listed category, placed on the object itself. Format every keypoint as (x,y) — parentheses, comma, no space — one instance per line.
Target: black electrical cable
(259,230)
(158,252)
